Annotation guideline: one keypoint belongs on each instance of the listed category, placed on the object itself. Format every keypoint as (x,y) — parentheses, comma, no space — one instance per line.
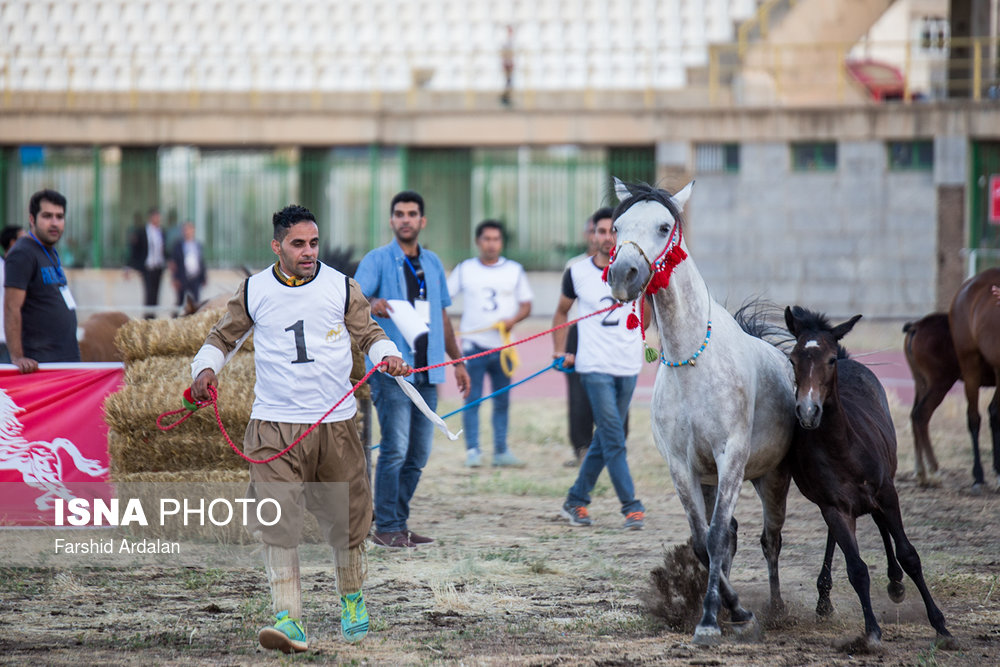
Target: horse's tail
(757,317)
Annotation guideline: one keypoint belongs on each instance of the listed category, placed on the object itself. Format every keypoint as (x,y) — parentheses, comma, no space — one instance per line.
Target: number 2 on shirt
(606,321)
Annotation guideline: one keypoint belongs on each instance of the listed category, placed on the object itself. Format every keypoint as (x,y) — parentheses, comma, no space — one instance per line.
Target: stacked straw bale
(154,386)
(182,336)
(193,458)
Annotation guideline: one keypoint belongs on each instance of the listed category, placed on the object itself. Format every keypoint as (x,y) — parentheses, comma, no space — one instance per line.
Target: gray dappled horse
(721,413)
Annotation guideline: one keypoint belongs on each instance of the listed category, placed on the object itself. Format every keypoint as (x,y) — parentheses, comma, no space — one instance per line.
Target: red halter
(660,270)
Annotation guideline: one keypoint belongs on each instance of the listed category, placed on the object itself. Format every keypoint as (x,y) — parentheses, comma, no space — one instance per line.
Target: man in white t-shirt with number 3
(495,293)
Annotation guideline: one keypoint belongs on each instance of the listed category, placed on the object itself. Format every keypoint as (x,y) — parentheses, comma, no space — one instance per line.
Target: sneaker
(635,521)
(353,617)
(418,539)
(473,459)
(577,514)
(392,540)
(286,635)
(507,460)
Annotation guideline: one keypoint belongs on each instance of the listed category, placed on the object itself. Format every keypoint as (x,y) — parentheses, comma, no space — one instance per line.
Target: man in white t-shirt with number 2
(608,360)
(496,296)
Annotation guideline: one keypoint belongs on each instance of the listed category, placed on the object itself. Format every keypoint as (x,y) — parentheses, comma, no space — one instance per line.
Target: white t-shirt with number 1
(490,293)
(605,344)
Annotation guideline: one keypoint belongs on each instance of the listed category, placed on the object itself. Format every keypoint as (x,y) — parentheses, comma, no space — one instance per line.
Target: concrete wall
(860,239)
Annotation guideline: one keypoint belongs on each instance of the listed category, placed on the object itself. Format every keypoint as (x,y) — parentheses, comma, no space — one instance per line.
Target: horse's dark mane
(757,317)
(646,192)
(811,320)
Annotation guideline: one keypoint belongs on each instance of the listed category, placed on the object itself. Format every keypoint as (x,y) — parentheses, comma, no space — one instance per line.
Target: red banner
(53,439)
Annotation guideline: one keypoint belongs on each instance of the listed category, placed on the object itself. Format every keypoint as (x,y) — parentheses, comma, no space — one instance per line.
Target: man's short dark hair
(8,236)
(408,196)
(288,216)
(152,211)
(51,196)
(491,224)
(601,213)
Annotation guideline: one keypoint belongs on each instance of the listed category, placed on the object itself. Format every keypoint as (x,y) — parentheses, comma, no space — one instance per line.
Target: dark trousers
(151,287)
(193,288)
(581,416)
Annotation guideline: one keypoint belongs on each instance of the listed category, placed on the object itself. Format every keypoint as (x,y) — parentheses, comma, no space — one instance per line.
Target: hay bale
(155,385)
(182,336)
(194,485)
(203,449)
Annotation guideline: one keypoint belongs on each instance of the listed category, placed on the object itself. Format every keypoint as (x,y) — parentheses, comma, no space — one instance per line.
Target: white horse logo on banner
(38,462)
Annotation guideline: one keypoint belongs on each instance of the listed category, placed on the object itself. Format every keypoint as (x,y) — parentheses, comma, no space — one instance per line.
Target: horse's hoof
(777,611)
(930,481)
(896,590)
(824,607)
(706,635)
(748,630)
(946,643)
(977,489)
(865,644)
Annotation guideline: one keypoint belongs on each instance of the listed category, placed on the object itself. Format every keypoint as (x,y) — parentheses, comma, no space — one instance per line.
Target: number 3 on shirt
(300,343)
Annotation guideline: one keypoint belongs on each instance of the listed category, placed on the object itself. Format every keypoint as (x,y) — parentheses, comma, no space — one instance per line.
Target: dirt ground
(510,583)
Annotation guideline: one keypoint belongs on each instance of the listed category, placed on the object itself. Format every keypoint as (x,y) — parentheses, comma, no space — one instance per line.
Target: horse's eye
(665,228)
(832,361)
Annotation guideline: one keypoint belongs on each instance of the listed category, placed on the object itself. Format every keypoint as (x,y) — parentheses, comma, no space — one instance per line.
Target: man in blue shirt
(402,270)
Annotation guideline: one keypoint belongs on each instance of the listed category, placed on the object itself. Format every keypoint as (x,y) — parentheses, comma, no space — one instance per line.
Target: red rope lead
(218,418)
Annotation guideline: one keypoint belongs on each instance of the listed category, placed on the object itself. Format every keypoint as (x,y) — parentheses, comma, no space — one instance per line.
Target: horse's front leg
(973,421)
(994,412)
(824,582)
(842,528)
(772,488)
(707,632)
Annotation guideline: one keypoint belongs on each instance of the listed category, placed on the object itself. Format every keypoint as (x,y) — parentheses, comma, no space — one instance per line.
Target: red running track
(890,367)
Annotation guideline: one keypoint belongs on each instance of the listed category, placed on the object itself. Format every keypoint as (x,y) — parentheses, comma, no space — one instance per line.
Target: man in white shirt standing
(496,296)
(608,360)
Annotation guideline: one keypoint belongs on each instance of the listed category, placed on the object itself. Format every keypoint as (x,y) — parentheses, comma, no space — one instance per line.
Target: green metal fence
(542,194)
(984,232)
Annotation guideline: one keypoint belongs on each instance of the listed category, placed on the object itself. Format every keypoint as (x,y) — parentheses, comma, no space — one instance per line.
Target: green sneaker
(286,635)
(353,617)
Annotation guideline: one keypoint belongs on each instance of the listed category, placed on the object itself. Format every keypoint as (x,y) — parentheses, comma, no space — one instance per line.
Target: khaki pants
(325,473)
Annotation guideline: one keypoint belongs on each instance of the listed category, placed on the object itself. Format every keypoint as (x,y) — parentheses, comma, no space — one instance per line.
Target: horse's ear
(621,190)
(680,199)
(843,329)
(790,321)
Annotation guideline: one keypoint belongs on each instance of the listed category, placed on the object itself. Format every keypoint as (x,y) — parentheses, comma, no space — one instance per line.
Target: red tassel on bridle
(660,271)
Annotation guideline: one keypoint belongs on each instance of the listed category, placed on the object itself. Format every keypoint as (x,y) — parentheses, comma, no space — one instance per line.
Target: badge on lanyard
(67,297)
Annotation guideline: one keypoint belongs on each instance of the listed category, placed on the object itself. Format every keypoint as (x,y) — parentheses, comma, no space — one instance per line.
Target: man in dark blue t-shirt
(39,310)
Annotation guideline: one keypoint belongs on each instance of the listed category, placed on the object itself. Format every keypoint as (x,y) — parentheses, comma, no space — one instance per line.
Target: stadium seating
(357,45)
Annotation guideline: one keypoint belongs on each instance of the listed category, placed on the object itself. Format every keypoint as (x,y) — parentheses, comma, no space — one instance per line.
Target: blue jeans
(609,396)
(404,450)
(478,368)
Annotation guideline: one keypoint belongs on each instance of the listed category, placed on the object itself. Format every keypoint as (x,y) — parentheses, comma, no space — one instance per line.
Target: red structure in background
(882,80)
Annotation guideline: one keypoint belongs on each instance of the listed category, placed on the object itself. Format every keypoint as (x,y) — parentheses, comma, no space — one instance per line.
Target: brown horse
(975,330)
(97,339)
(843,458)
(930,354)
